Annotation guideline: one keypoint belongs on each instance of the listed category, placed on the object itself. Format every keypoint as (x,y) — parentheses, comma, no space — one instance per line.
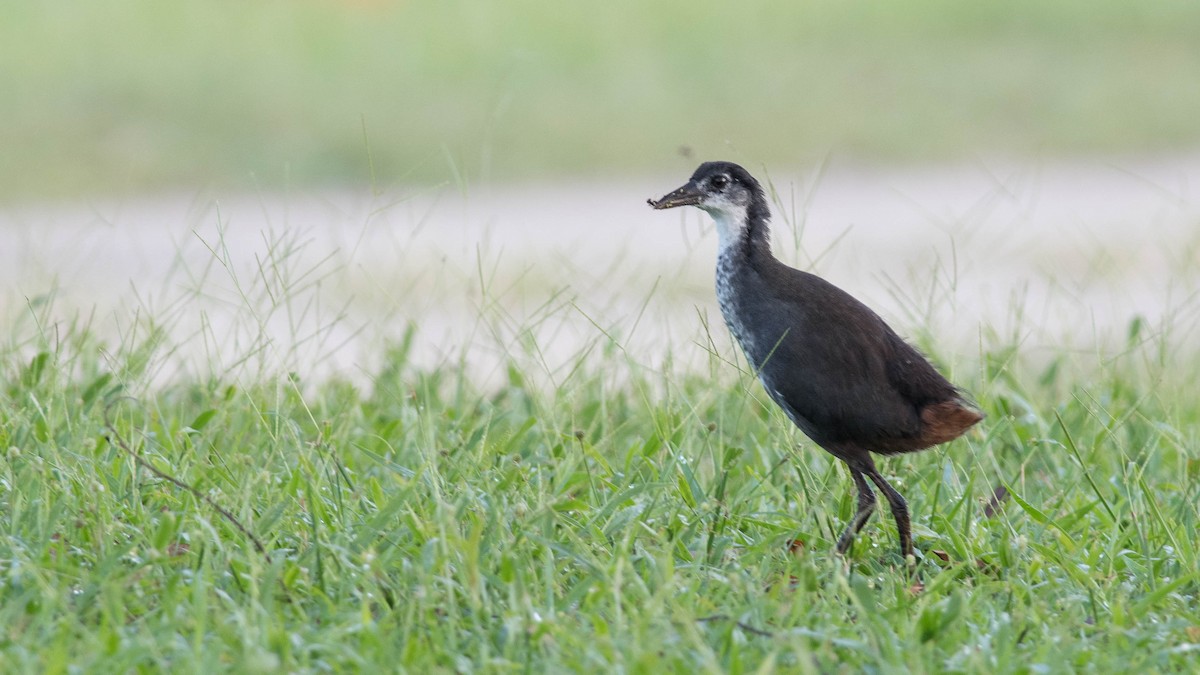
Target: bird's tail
(946,421)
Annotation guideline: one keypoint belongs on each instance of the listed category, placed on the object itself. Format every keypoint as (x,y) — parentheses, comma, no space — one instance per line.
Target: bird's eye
(719,182)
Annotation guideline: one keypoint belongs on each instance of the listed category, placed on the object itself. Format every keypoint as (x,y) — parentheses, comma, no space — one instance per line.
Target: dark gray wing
(838,370)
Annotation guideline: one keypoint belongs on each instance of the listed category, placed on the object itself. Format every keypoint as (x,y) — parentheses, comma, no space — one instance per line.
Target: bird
(838,371)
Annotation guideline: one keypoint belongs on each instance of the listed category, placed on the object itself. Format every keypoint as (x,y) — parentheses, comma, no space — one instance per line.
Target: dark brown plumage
(840,373)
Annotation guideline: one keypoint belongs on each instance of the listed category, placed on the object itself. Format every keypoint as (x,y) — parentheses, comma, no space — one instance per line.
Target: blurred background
(141,95)
(414,162)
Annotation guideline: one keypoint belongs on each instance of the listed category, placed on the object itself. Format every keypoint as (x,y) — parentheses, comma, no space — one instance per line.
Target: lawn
(607,516)
(137,95)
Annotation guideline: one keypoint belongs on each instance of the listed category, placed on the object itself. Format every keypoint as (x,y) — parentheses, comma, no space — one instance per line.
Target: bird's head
(727,192)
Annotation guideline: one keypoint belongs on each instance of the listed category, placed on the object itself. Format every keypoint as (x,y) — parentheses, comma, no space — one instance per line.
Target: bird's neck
(742,231)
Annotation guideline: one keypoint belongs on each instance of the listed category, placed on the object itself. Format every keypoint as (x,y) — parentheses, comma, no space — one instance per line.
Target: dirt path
(1042,253)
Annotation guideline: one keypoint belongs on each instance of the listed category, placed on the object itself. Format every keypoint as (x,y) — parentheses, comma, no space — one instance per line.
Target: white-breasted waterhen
(839,372)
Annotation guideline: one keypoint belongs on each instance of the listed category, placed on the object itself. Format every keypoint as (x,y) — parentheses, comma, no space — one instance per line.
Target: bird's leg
(866,504)
(899,510)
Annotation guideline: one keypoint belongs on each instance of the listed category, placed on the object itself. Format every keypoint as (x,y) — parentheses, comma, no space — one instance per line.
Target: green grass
(624,518)
(131,95)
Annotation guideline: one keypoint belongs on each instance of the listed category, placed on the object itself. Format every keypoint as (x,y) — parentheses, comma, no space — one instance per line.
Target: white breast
(731,222)
(727,301)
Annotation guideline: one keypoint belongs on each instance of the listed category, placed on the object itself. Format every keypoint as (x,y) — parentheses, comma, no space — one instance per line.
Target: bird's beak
(688,195)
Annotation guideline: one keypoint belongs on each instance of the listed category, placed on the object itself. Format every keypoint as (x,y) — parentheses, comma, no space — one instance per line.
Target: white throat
(731,224)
